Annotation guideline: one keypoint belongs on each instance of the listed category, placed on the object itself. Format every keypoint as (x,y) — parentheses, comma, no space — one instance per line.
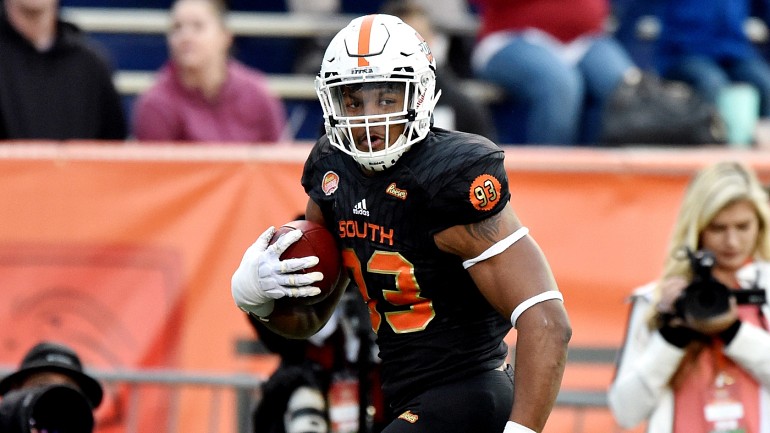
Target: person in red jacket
(202,94)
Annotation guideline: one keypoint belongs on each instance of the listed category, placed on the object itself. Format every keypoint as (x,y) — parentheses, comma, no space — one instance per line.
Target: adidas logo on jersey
(360,208)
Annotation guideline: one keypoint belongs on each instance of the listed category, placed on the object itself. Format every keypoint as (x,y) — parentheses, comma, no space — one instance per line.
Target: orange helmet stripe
(364,36)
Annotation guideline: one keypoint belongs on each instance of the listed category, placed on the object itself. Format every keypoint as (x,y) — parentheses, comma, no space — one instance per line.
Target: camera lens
(706,299)
(53,408)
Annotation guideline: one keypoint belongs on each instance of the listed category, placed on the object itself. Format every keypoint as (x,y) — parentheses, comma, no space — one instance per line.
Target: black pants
(478,404)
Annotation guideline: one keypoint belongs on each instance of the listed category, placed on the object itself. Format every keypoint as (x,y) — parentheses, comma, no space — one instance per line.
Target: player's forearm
(541,355)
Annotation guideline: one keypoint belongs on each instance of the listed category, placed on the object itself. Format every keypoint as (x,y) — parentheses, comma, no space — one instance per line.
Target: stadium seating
(267,38)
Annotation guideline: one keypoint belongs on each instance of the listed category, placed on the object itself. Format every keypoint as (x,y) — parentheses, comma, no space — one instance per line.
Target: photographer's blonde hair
(712,189)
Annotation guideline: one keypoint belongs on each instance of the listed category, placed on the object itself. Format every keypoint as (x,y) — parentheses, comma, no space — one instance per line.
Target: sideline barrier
(126,252)
(135,384)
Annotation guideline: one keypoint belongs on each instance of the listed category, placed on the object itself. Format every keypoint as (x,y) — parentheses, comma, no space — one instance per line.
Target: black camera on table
(705,297)
(51,408)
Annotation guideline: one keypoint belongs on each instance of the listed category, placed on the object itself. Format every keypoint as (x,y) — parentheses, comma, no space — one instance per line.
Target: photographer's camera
(705,297)
(49,408)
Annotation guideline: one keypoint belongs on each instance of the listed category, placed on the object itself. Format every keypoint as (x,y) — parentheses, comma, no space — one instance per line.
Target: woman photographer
(699,373)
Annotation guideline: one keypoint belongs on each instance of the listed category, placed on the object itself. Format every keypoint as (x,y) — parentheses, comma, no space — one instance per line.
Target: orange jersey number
(406,291)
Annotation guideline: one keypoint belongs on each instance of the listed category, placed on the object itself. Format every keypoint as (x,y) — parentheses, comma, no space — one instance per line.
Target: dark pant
(478,404)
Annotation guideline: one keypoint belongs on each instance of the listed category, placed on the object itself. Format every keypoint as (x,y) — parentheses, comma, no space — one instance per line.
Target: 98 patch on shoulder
(485,192)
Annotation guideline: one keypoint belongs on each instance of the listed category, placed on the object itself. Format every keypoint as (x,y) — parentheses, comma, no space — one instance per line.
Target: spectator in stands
(53,370)
(203,94)
(456,109)
(53,83)
(703,43)
(693,363)
(554,58)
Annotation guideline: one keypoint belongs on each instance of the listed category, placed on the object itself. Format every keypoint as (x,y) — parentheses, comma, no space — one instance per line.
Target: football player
(427,233)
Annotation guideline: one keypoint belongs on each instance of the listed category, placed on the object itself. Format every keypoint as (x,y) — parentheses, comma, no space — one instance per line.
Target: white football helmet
(377,72)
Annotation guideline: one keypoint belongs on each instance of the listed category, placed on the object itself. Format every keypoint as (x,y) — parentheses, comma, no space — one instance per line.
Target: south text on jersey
(365,230)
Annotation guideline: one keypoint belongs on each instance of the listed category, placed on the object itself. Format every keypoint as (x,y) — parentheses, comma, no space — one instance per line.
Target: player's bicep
(508,273)
(471,240)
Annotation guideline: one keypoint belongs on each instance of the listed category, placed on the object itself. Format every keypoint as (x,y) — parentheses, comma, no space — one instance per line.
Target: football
(317,241)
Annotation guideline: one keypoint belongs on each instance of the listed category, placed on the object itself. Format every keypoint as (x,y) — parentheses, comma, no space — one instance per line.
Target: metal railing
(241,23)
(247,387)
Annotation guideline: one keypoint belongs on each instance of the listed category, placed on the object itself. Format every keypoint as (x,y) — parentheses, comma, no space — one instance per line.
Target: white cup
(739,106)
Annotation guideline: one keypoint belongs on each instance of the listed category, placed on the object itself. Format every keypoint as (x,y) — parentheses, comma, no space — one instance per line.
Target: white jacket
(647,362)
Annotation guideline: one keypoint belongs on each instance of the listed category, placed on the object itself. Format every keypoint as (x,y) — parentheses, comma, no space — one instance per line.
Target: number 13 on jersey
(405,292)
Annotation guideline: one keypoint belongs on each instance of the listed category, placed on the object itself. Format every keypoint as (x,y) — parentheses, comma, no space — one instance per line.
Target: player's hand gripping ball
(316,241)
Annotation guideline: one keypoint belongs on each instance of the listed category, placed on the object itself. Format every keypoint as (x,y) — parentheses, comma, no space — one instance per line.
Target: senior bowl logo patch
(330,182)
(485,192)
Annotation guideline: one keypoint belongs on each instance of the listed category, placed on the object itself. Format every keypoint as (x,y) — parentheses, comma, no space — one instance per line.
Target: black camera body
(705,297)
(57,408)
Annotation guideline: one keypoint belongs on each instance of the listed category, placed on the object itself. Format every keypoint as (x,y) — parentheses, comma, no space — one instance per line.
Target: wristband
(513,427)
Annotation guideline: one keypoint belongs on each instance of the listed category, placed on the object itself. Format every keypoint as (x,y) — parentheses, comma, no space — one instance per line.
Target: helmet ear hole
(396,54)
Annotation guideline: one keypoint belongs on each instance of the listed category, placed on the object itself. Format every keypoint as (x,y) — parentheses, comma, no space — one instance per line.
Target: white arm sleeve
(647,363)
(751,350)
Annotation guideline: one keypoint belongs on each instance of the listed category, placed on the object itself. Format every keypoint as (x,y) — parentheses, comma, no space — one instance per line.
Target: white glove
(512,427)
(263,277)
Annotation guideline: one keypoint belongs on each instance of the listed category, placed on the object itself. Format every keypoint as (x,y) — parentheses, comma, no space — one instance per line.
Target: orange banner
(126,252)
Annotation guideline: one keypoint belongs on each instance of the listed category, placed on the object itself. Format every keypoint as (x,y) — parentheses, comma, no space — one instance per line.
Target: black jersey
(432,323)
